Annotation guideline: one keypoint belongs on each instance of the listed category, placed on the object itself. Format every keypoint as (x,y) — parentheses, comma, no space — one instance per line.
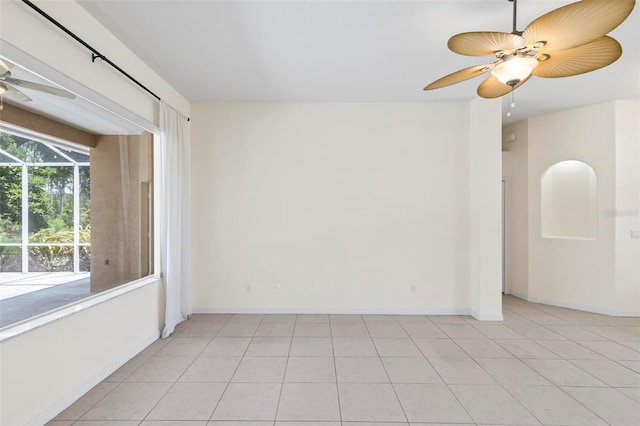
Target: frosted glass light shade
(514,70)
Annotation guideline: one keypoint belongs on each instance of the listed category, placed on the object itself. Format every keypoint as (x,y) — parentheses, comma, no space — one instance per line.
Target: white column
(485,135)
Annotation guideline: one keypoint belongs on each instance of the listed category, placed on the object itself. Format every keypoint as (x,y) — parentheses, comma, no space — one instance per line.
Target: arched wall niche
(569,201)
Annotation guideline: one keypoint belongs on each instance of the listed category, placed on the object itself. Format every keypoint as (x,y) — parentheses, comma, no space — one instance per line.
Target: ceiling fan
(8,86)
(567,41)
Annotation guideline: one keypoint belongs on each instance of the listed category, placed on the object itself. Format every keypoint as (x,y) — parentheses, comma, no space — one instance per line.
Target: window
(44,207)
(74,221)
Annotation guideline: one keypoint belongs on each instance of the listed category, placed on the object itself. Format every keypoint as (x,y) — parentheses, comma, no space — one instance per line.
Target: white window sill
(37,321)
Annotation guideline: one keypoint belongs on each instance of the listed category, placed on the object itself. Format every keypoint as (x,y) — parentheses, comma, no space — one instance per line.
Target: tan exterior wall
(121,172)
(29,120)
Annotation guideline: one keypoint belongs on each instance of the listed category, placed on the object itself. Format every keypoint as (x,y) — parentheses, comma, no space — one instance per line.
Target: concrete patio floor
(14,284)
(23,296)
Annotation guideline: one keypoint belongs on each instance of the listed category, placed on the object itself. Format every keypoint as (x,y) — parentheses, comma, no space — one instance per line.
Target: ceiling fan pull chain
(512,103)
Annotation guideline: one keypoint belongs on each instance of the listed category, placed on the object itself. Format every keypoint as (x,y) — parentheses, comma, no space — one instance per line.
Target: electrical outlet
(278,288)
(248,288)
(412,288)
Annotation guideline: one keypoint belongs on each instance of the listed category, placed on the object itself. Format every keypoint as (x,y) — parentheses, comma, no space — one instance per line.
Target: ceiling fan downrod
(515,15)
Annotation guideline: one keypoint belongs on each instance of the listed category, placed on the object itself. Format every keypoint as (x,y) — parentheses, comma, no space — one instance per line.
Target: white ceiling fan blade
(14,93)
(5,67)
(40,87)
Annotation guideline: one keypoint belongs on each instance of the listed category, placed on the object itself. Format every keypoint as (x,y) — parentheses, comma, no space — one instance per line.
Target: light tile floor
(541,365)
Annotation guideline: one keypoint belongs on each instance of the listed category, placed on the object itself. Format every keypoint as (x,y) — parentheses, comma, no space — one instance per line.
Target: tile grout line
(284,374)
(123,381)
(411,338)
(404,413)
(560,388)
(190,364)
(436,371)
(504,387)
(232,374)
(546,378)
(335,369)
(580,403)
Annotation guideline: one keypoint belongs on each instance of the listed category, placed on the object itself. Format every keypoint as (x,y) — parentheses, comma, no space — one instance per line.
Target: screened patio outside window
(44,206)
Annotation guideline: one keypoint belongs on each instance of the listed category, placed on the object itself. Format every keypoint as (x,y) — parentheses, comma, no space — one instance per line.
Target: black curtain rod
(94,53)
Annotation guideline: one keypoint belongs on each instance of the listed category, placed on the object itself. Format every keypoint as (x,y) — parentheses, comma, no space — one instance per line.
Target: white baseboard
(485,317)
(85,387)
(354,311)
(578,307)
(519,295)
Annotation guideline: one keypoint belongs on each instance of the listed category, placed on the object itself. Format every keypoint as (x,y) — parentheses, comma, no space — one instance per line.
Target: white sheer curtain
(175,216)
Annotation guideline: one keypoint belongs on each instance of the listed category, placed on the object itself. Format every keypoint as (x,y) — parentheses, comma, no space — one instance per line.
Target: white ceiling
(290,51)
(323,51)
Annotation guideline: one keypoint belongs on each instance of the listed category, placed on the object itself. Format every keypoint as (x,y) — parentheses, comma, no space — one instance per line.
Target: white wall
(506,164)
(345,206)
(627,208)
(485,169)
(573,271)
(49,367)
(518,187)
(601,274)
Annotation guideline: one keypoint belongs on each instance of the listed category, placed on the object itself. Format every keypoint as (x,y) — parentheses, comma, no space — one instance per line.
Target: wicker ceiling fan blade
(14,93)
(577,23)
(484,43)
(491,87)
(459,76)
(580,60)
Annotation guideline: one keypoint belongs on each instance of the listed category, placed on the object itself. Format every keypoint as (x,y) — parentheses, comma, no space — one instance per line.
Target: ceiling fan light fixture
(514,69)
(567,41)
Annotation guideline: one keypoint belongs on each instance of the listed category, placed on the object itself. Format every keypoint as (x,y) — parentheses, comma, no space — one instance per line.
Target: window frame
(155,275)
